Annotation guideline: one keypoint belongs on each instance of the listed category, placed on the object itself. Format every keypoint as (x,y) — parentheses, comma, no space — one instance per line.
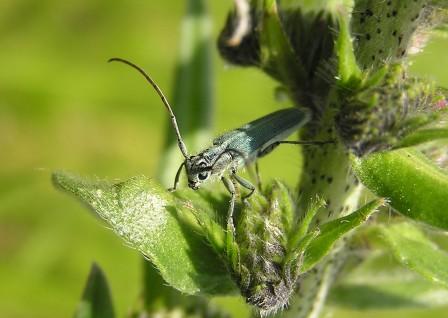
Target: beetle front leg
(257,175)
(244,183)
(230,186)
(176,179)
(232,252)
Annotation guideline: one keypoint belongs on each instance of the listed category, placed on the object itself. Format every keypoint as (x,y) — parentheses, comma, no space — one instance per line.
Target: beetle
(234,149)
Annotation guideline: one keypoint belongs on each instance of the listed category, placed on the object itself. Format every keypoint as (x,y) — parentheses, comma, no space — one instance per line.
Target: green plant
(347,63)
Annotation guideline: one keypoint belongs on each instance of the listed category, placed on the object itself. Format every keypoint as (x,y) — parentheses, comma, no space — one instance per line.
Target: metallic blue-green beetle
(234,149)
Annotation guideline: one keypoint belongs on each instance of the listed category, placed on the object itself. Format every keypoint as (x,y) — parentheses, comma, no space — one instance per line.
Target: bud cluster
(386,109)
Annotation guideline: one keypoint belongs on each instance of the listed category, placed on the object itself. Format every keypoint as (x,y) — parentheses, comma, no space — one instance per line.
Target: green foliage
(363,101)
(388,111)
(422,136)
(277,57)
(414,250)
(414,185)
(152,221)
(334,230)
(96,300)
(171,232)
(193,103)
(63,106)
(349,72)
(380,283)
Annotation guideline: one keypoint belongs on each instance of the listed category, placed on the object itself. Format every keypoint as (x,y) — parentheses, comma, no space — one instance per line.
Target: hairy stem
(326,173)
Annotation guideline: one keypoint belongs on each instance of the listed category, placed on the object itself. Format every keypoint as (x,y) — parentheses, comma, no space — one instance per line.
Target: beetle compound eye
(203,175)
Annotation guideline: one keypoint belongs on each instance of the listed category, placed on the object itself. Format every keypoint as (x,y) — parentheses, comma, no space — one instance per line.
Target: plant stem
(327,173)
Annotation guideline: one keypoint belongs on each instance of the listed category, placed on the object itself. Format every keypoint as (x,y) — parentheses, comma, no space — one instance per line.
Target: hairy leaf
(413,184)
(161,227)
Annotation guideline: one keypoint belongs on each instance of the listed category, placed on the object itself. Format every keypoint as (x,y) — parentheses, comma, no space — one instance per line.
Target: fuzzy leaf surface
(96,300)
(413,184)
(161,227)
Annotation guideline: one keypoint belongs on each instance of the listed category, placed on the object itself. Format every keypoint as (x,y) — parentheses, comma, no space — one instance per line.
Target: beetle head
(199,170)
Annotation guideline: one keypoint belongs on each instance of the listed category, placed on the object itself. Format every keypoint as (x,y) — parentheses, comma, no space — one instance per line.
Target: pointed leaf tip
(348,70)
(96,300)
(332,231)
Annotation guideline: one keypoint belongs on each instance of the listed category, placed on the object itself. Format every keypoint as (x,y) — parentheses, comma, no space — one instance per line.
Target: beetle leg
(176,179)
(263,152)
(257,175)
(230,186)
(266,150)
(244,183)
(306,142)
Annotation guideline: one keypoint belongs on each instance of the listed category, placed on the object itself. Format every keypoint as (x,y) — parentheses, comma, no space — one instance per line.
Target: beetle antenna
(180,142)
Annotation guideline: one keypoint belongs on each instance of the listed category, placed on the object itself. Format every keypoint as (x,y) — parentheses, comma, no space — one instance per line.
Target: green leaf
(439,3)
(414,185)
(422,136)
(206,203)
(406,294)
(411,292)
(348,70)
(164,301)
(436,152)
(302,227)
(415,251)
(332,231)
(96,300)
(381,283)
(158,225)
(277,55)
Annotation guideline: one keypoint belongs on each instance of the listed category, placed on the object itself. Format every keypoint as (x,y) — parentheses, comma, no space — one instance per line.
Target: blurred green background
(63,106)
